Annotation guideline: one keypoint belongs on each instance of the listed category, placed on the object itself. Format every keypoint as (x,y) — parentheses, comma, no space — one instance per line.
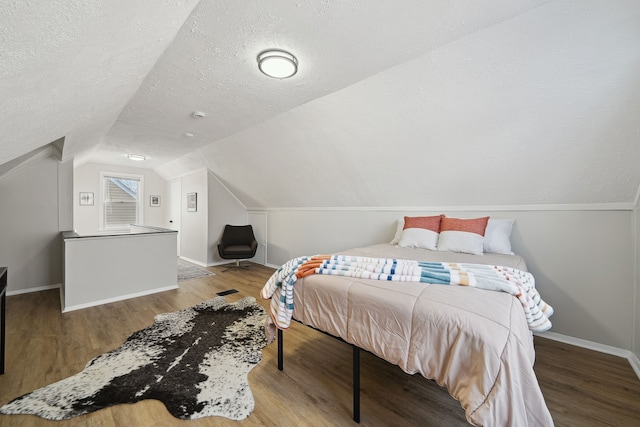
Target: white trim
(182,175)
(590,345)
(57,148)
(29,290)
(497,208)
(635,364)
(636,282)
(118,298)
(35,156)
(226,188)
(579,342)
(193,261)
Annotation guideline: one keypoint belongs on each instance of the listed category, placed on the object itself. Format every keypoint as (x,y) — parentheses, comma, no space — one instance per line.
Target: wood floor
(581,387)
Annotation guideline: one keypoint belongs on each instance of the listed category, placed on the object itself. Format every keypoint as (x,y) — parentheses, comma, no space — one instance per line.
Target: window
(121,200)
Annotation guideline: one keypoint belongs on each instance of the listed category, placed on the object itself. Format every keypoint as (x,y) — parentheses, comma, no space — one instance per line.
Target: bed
(476,343)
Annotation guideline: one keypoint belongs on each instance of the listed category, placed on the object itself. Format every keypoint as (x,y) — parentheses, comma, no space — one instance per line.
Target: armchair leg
(237,265)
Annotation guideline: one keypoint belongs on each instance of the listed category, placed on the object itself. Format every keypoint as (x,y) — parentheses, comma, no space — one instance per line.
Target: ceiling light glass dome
(278,64)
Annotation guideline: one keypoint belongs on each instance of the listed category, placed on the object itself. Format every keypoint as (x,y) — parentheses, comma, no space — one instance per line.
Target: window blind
(121,201)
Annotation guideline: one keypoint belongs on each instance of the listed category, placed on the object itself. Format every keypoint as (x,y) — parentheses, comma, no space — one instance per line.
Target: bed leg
(280,350)
(356,383)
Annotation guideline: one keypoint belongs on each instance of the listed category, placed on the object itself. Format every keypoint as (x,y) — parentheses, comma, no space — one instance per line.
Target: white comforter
(474,342)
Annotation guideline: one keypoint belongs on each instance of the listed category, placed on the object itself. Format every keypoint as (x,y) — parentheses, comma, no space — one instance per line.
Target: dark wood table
(3,306)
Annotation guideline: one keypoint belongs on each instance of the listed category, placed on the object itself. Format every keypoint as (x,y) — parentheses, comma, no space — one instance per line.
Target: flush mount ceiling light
(136,157)
(277,63)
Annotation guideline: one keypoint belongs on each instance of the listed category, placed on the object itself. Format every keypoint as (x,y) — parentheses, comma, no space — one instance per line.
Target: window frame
(139,201)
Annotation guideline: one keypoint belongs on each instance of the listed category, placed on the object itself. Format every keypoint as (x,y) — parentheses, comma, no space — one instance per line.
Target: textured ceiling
(433,103)
(68,68)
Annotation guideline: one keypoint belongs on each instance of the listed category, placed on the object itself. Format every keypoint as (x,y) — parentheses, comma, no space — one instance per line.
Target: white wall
(201,230)
(30,215)
(636,343)
(224,208)
(99,270)
(194,231)
(65,195)
(87,179)
(583,261)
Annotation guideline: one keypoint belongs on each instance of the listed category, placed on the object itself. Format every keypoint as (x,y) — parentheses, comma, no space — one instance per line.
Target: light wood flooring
(581,387)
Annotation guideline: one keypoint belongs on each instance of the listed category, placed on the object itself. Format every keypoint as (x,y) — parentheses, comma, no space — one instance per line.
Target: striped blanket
(520,284)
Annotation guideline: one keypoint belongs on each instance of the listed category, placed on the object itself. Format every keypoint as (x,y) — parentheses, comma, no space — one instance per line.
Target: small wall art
(192,202)
(154,201)
(86,199)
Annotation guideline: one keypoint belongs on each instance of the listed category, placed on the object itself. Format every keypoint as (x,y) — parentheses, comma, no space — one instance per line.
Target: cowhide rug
(195,361)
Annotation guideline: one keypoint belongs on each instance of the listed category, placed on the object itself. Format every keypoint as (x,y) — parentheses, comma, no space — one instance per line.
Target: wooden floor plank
(581,387)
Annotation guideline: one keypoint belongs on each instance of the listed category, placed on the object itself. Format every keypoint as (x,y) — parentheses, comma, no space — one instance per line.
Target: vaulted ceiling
(412,103)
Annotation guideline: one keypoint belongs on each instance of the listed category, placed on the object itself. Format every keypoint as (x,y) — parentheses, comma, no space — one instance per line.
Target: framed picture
(86,199)
(192,202)
(154,201)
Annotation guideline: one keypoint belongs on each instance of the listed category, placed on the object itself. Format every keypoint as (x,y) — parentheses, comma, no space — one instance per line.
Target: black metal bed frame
(356,367)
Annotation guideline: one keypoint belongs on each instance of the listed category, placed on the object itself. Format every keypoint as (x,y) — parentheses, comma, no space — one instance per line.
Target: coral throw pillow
(420,232)
(462,235)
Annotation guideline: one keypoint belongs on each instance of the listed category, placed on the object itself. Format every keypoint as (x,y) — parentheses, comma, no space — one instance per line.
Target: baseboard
(635,363)
(119,298)
(36,289)
(201,264)
(590,345)
(193,261)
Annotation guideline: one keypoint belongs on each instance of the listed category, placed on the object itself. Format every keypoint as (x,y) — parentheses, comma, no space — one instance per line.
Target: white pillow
(419,238)
(497,237)
(398,235)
